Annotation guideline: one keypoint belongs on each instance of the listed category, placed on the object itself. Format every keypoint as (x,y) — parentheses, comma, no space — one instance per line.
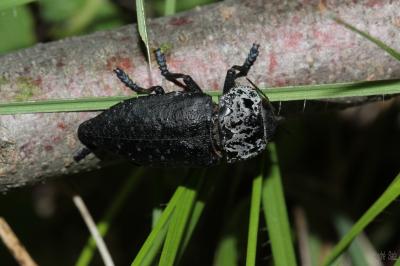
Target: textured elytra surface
(241,124)
(172,129)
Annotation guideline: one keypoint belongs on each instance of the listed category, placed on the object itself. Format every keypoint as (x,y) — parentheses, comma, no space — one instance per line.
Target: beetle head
(246,123)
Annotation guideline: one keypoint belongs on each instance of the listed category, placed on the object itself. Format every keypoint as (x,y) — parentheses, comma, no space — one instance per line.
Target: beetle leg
(232,73)
(190,84)
(229,80)
(124,78)
(81,154)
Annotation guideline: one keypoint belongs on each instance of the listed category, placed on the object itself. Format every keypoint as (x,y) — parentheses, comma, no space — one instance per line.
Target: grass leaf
(227,253)
(61,105)
(80,19)
(194,219)
(170,7)
(254,221)
(150,248)
(180,220)
(198,209)
(5,4)
(330,91)
(307,92)
(21,20)
(141,19)
(229,250)
(116,204)
(390,194)
(356,252)
(364,34)
(276,214)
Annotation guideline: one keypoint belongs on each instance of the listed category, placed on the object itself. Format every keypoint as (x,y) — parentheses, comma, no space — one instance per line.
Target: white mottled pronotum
(241,123)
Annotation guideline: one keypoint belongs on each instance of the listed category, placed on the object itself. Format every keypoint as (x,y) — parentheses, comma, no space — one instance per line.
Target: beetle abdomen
(170,129)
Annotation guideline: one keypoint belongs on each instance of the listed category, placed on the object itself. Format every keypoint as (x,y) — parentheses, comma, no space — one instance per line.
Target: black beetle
(183,128)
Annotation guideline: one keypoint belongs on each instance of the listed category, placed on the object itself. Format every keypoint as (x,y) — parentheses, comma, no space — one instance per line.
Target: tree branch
(299,45)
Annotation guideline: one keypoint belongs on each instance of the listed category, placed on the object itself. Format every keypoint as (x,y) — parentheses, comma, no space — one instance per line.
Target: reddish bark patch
(48,147)
(60,63)
(117,61)
(37,82)
(180,21)
(56,139)
(61,125)
(279,82)
(323,37)
(374,3)
(125,63)
(273,63)
(296,20)
(108,90)
(293,39)
(174,63)
(215,86)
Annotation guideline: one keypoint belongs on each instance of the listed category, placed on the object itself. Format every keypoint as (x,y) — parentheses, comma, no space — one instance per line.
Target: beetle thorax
(241,124)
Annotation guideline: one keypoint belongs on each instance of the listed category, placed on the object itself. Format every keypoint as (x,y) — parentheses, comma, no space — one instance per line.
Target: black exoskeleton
(185,127)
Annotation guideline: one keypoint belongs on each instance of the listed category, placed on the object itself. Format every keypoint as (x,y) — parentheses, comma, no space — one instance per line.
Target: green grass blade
(79,21)
(103,226)
(378,42)
(177,228)
(227,253)
(229,250)
(254,221)
(153,242)
(198,209)
(170,6)
(276,214)
(65,105)
(154,251)
(5,4)
(330,91)
(390,194)
(356,252)
(308,92)
(397,263)
(141,19)
(155,216)
(17,30)
(180,221)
